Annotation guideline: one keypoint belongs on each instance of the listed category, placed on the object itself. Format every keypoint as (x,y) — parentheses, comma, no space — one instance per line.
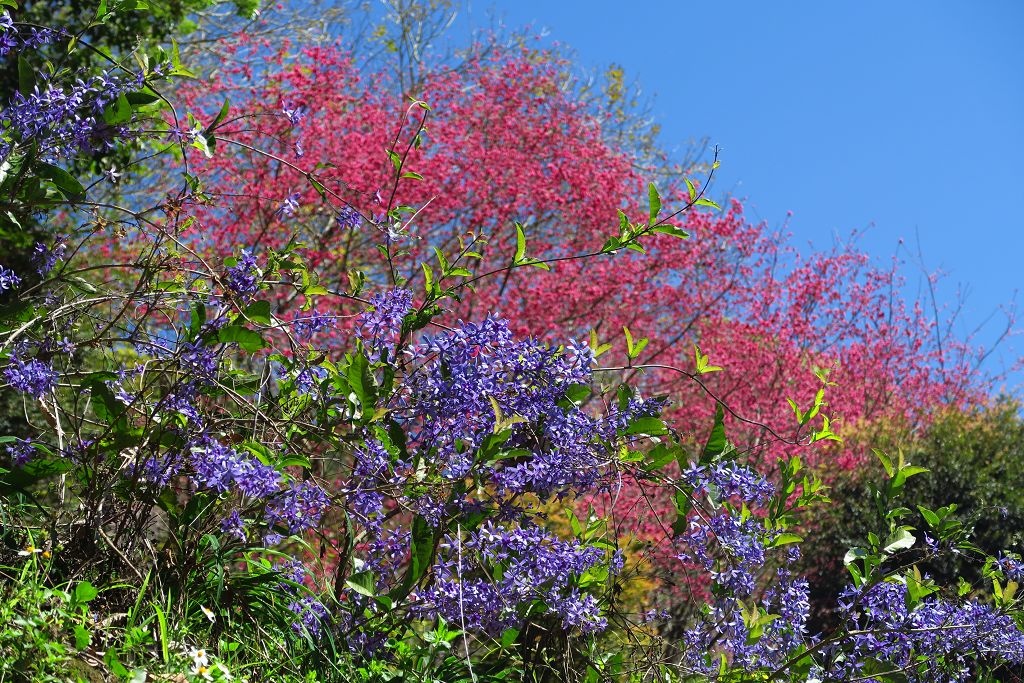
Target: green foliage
(973,487)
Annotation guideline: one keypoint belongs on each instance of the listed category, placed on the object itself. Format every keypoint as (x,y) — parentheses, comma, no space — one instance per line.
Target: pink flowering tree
(498,158)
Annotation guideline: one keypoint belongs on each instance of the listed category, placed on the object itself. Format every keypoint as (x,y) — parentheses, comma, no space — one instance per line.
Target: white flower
(209,613)
(199,657)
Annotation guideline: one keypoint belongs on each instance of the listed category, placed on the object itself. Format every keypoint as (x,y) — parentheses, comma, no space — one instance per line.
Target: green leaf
(683,506)
(885,460)
(26,76)
(396,160)
(520,244)
(717,443)
(704,201)
(702,362)
(249,340)
(198,319)
(258,311)
(82,637)
(509,636)
(221,115)
(141,97)
(929,516)
(633,349)
(785,539)
(659,456)
(62,180)
(85,592)
(202,144)
(654,202)
(900,539)
(854,554)
(672,230)
(428,279)
(363,583)
(577,393)
(651,426)
(118,111)
(691,189)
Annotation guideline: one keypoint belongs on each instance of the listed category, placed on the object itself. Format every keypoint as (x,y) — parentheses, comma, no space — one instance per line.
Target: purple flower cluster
(295,113)
(307,380)
(32,377)
(289,206)
(220,468)
(45,258)
(199,362)
(451,405)
(234,525)
(21,452)
(1011,566)
(8,279)
(936,640)
(349,218)
(243,277)
(65,121)
(19,40)
(380,327)
(312,615)
(729,479)
(533,564)
(298,508)
(305,328)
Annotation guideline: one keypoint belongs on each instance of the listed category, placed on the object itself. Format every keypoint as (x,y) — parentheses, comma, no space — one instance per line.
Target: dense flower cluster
(297,508)
(451,402)
(533,565)
(936,641)
(728,479)
(349,218)
(380,327)
(32,377)
(65,120)
(243,277)
(316,322)
(20,452)
(221,468)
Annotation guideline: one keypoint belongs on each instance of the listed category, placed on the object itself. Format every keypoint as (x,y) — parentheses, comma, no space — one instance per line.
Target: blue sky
(904,120)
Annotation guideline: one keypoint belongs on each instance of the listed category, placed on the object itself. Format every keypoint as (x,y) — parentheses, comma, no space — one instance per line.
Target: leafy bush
(241,466)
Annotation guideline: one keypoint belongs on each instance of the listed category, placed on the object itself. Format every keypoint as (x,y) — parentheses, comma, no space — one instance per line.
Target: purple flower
(18,39)
(65,121)
(219,468)
(200,362)
(381,325)
(234,525)
(726,480)
(32,377)
(8,279)
(21,452)
(349,218)
(312,615)
(299,508)
(305,328)
(295,114)
(289,206)
(1012,566)
(44,258)
(243,277)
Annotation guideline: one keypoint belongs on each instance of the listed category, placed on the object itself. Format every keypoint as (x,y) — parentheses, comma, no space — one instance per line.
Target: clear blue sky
(902,118)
